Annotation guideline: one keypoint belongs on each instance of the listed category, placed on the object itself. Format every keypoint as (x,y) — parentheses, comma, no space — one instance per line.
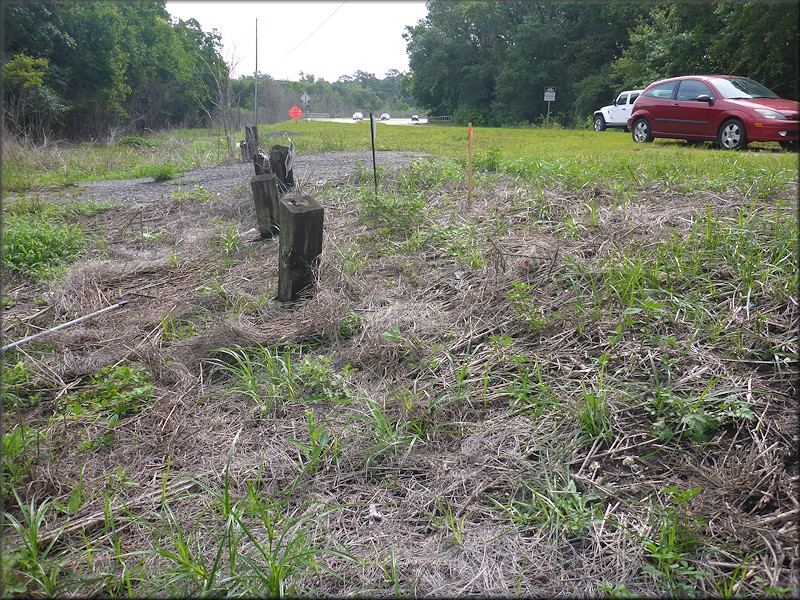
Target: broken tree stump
(300,245)
(280,164)
(265,197)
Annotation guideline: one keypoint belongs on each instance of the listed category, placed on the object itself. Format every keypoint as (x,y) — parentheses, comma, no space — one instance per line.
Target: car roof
(680,77)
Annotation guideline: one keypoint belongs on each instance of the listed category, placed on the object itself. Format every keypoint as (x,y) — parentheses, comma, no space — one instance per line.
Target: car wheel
(599,123)
(641,131)
(789,146)
(732,135)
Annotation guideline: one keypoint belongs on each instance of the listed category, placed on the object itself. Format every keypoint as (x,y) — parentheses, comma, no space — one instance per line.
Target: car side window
(691,89)
(622,100)
(663,91)
(633,98)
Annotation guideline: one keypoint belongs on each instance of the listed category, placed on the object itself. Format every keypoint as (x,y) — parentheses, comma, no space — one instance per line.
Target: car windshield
(742,88)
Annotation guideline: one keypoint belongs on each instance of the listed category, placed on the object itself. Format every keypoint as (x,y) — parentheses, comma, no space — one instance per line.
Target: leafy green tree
(760,40)
(160,69)
(118,64)
(455,52)
(31,108)
(492,60)
(32,28)
(753,39)
(95,62)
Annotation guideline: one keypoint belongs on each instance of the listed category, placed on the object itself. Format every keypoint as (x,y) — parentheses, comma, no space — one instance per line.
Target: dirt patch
(405,332)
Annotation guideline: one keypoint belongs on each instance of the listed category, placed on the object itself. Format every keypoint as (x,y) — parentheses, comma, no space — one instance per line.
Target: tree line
(489,62)
(80,68)
(361,91)
(84,69)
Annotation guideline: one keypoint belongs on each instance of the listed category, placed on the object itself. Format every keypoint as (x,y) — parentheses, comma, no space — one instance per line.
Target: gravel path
(224,179)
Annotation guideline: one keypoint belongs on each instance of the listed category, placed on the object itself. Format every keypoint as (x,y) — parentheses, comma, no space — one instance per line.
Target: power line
(313,32)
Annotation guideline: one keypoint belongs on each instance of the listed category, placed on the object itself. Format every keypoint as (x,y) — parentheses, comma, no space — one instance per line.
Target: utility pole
(255,95)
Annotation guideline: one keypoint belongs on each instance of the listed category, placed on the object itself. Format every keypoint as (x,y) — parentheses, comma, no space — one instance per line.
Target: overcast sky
(325,39)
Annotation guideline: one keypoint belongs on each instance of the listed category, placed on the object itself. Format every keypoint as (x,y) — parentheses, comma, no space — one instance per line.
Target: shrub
(135,141)
(163,172)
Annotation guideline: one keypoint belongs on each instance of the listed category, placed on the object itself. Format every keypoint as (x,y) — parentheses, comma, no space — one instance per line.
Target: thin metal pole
(62,326)
(255,95)
(469,165)
(374,166)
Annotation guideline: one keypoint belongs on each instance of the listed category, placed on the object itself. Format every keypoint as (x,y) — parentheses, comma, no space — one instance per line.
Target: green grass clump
(37,248)
(162,173)
(198,194)
(135,141)
(274,377)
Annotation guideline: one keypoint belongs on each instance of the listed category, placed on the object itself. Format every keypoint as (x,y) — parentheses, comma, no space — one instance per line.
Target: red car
(732,111)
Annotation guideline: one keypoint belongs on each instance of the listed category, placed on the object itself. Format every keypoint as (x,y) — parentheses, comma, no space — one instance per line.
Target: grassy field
(579,381)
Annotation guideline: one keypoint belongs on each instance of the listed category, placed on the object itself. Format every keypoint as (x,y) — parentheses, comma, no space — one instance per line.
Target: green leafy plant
(454,524)
(395,213)
(229,240)
(527,388)
(36,562)
(592,410)
(349,326)
(18,387)
(197,194)
(161,173)
(136,141)
(555,503)
(174,328)
(267,376)
(388,435)
(21,451)
(675,537)
(115,391)
(320,446)
(522,298)
(695,416)
(37,248)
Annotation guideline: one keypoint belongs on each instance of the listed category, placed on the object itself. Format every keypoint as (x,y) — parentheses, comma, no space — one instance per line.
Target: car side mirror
(705,98)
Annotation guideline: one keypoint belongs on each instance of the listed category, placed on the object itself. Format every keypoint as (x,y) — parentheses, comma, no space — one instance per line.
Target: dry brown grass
(481,446)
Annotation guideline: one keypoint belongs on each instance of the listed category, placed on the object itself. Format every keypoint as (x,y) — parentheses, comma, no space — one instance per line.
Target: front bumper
(771,130)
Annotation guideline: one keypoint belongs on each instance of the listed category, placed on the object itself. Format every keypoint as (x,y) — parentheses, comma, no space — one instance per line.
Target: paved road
(398,121)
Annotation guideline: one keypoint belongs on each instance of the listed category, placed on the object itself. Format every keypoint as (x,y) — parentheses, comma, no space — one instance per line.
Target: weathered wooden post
(251,138)
(261,163)
(280,164)
(265,196)
(300,245)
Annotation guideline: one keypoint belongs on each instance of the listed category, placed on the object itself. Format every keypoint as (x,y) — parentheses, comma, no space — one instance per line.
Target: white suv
(617,114)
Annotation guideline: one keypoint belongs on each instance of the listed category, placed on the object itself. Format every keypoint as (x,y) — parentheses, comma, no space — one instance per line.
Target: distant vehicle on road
(616,114)
(731,111)
(385,117)
(415,118)
(357,116)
